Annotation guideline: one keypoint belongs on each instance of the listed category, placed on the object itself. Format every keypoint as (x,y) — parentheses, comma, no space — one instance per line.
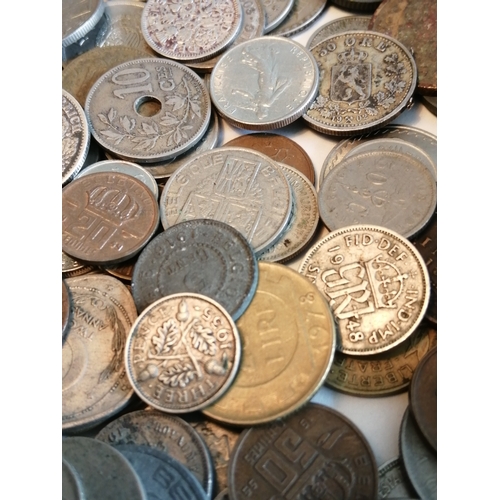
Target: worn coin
(264,83)
(105,473)
(392,481)
(240,187)
(275,12)
(382,374)
(339,25)
(288,336)
(182,353)
(165,433)
(66,309)
(75,137)
(376,283)
(148,109)
(423,397)
(278,147)
(72,488)
(315,453)
(303,222)
(163,477)
(193,30)
(200,256)
(302,15)
(94,380)
(367,80)
(419,459)
(381,187)
(107,217)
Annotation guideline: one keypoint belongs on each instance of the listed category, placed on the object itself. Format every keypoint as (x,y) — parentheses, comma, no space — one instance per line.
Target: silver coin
(238,186)
(163,477)
(303,222)
(124,167)
(105,473)
(383,188)
(276,12)
(72,488)
(419,459)
(339,25)
(148,110)
(75,137)
(302,15)
(165,433)
(94,380)
(392,481)
(200,256)
(264,83)
(192,30)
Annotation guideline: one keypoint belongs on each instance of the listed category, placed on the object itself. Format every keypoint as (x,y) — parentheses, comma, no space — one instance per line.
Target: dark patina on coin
(316,453)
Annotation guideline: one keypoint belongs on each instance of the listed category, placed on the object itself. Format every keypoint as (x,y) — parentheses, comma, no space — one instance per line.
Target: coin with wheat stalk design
(182,353)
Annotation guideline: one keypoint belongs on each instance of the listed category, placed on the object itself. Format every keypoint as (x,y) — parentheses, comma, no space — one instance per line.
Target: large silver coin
(182,353)
(264,83)
(199,256)
(75,137)
(238,186)
(276,12)
(191,30)
(148,110)
(105,473)
(377,285)
(94,381)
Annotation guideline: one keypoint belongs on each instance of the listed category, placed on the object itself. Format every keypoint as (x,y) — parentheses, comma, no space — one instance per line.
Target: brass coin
(288,337)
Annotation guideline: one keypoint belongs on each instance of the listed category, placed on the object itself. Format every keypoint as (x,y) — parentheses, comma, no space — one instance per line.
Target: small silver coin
(302,15)
(201,256)
(75,137)
(238,186)
(105,473)
(276,12)
(163,477)
(148,110)
(392,481)
(72,488)
(264,83)
(339,25)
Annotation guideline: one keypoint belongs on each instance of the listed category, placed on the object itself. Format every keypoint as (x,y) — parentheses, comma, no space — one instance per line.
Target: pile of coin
(191,352)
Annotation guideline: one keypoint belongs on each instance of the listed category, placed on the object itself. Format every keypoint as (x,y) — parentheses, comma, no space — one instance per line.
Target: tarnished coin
(240,187)
(302,15)
(381,187)
(72,488)
(315,453)
(75,137)
(423,397)
(376,283)
(72,267)
(367,80)
(165,433)
(191,31)
(419,459)
(278,147)
(105,473)
(382,374)
(163,477)
(414,24)
(264,83)
(66,309)
(197,256)
(339,25)
(107,217)
(148,110)
(182,353)
(276,12)
(303,222)
(288,336)
(393,483)
(94,381)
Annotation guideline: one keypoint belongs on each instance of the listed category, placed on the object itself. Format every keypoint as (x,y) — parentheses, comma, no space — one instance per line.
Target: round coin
(393,483)
(107,217)
(376,283)
(148,110)
(264,83)
(201,256)
(315,453)
(276,12)
(367,80)
(182,353)
(288,334)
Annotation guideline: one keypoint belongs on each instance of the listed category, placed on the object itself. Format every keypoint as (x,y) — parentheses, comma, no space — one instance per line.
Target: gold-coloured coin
(289,337)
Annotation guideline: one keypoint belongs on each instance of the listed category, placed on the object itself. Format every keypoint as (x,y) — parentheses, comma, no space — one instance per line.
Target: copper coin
(108,217)
(278,147)
(423,397)
(316,453)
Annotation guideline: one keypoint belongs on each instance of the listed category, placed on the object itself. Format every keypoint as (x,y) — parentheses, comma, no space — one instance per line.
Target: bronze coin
(278,147)
(423,397)
(316,453)
(108,217)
